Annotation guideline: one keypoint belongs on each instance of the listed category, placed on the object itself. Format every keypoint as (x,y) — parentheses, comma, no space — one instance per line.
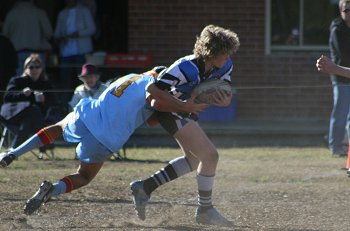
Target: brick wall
(283,85)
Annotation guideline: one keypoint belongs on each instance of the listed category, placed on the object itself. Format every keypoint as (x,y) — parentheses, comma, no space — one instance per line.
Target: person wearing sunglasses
(340,54)
(27,100)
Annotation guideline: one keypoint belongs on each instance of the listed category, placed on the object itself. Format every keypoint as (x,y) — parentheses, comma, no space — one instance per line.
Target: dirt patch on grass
(257,188)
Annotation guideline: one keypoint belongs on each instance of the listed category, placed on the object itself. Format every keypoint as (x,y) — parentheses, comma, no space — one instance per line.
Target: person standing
(340,54)
(74,30)
(29,29)
(210,60)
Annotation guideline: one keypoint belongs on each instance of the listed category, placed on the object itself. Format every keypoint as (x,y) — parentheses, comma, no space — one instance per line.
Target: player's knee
(215,156)
(82,182)
(87,179)
(87,172)
(212,156)
(193,161)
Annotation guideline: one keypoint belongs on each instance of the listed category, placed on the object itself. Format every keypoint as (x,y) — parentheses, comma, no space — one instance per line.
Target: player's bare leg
(142,189)
(200,154)
(192,139)
(84,175)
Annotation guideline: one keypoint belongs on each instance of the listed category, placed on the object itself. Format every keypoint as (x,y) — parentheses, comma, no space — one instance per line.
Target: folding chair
(8,133)
(118,155)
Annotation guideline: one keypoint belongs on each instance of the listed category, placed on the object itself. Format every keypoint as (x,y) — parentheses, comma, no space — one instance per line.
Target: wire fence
(263,87)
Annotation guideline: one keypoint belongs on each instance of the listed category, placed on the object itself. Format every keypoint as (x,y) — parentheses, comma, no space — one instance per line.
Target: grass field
(258,188)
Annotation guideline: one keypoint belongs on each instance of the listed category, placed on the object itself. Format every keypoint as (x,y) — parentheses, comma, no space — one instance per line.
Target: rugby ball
(205,91)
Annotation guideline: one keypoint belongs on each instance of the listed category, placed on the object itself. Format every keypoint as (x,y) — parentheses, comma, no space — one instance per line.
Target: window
(299,24)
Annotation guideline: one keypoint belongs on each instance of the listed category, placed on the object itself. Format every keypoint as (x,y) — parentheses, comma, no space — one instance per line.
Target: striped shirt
(186,73)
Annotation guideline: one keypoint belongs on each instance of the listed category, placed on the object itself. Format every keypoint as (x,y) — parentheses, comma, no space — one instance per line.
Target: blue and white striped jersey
(186,73)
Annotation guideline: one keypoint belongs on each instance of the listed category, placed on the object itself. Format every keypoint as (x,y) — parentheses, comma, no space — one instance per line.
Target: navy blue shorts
(172,122)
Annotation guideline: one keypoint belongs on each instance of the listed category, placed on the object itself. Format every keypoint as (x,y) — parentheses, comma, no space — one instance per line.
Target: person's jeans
(340,117)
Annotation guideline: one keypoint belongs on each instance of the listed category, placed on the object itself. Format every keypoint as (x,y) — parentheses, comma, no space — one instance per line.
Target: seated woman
(27,99)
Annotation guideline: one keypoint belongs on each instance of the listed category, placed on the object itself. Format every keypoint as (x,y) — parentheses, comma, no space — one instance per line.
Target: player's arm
(325,65)
(161,100)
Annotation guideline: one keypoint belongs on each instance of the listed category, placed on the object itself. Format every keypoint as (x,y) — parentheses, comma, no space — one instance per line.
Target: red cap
(88,69)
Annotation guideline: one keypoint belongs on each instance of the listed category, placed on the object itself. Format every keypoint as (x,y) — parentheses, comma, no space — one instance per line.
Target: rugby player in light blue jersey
(210,60)
(100,127)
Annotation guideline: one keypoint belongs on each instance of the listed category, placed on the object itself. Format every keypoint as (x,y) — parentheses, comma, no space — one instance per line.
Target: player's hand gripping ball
(207,91)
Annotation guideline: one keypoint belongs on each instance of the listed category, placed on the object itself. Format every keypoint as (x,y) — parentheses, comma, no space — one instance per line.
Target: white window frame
(272,48)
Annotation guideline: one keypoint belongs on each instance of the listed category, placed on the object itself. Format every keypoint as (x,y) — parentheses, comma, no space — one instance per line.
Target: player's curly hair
(214,40)
(343,1)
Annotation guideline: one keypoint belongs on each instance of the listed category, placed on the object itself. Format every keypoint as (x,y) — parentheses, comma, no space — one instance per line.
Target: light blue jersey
(120,109)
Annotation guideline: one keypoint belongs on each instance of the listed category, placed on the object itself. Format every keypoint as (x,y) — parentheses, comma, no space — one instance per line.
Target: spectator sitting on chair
(26,100)
(91,88)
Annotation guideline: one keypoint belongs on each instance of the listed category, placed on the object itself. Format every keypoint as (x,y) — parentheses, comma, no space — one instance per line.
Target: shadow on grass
(182,227)
(149,161)
(89,200)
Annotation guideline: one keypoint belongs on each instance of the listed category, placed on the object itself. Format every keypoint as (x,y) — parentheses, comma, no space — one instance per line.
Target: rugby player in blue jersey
(210,60)
(100,127)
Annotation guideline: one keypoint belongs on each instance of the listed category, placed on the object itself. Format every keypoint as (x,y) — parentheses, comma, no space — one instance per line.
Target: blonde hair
(35,58)
(214,40)
(341,2)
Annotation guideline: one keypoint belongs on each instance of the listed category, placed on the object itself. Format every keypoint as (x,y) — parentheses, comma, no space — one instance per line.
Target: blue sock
(59,187)
(30,144)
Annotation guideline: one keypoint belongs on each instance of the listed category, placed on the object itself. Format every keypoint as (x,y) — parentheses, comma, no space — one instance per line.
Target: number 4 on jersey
(118,91)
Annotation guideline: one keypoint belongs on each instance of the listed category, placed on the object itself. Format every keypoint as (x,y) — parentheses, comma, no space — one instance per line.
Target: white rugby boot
(212,217)
(39,198)
(6,159)
(139,198)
